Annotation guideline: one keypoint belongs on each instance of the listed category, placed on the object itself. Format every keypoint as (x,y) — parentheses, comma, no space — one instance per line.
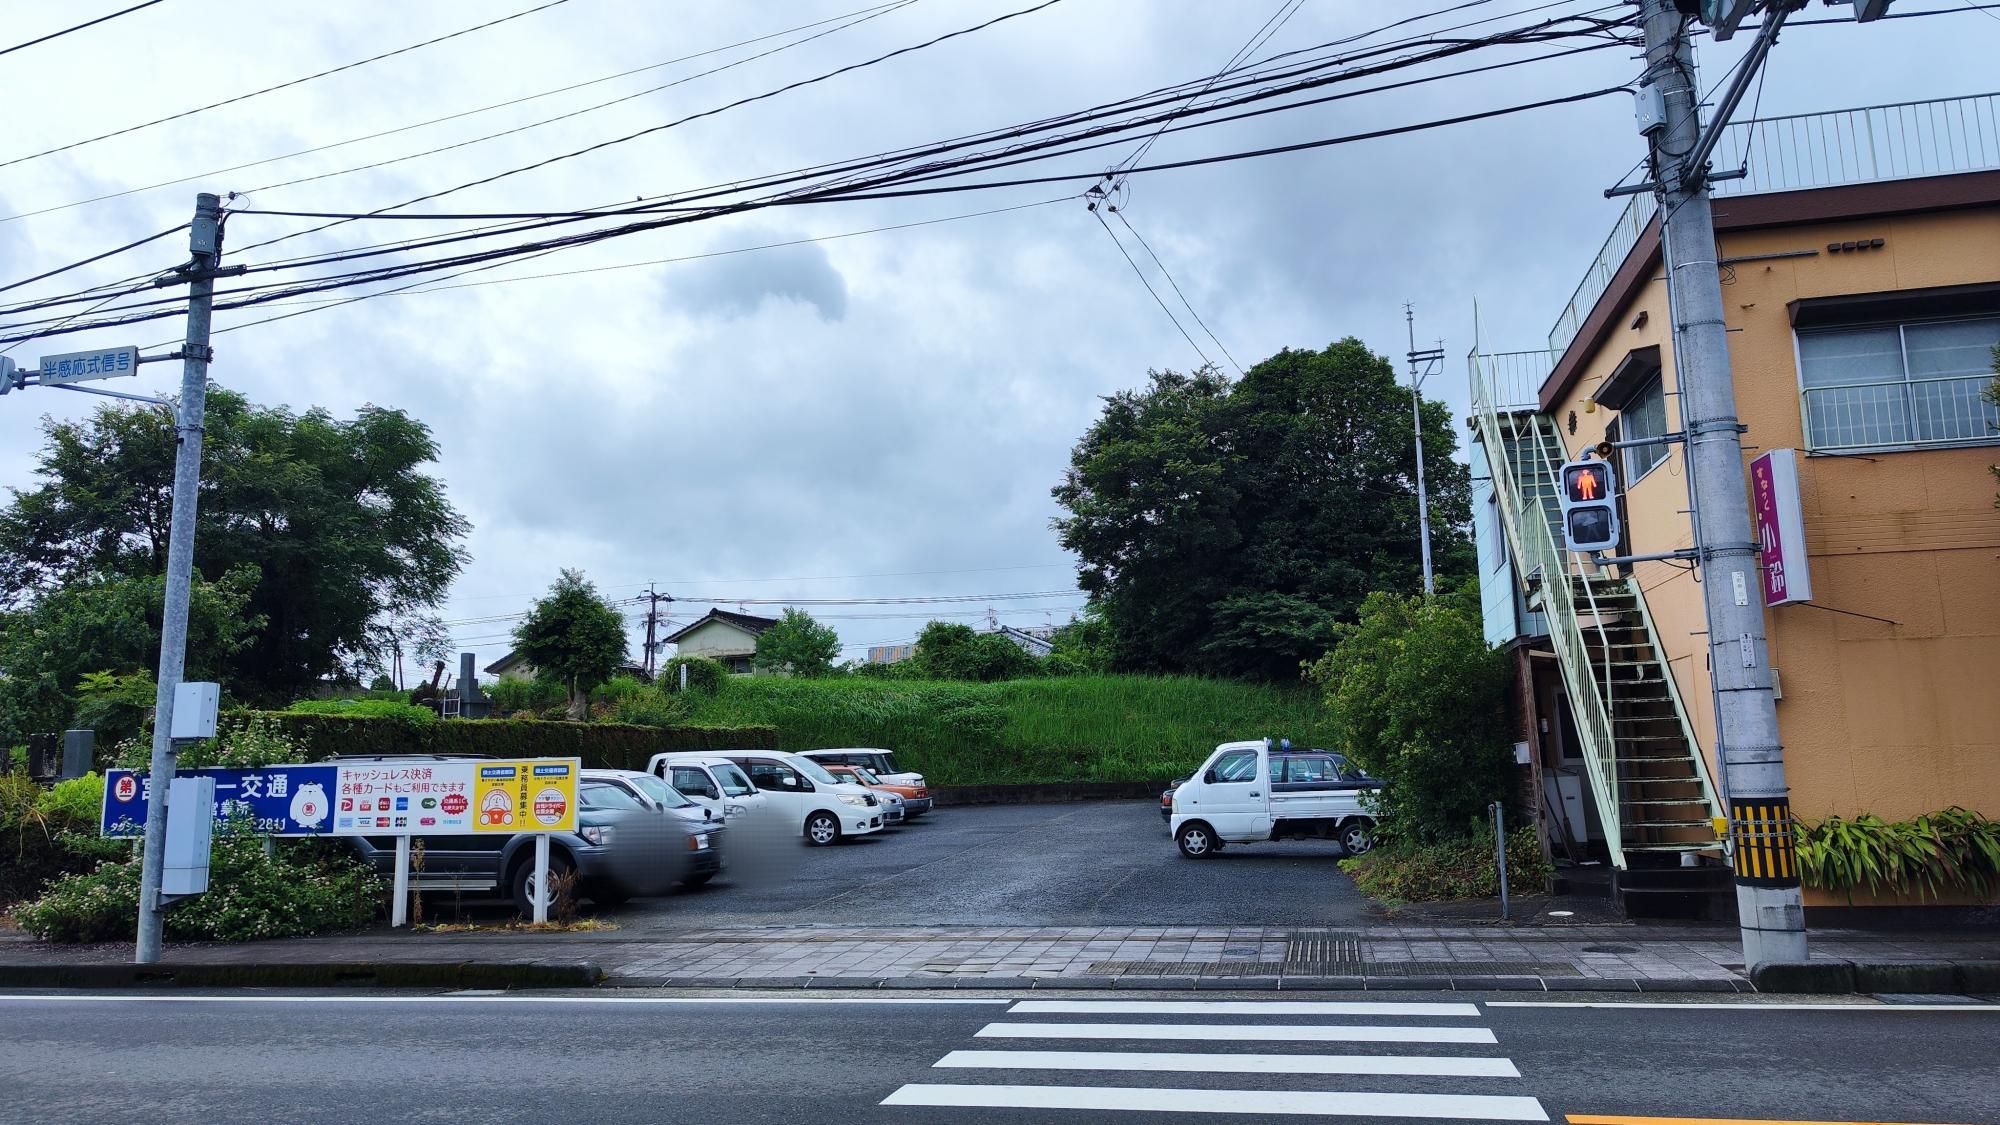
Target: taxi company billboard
(404,798)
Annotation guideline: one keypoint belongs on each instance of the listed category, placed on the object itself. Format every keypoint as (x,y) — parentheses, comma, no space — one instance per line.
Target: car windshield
(866,776)
(607,795)
(885,762)
(816,772)
(734,782)
(666,795)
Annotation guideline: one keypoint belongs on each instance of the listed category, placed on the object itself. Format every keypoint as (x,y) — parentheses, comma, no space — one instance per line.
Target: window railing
(1902,141)
(1901,413)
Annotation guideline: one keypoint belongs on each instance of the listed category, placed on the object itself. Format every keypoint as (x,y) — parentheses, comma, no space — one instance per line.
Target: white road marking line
(433,999)
(1427,1065)
(1869,1006)
(1236,1032)
(1240,1008)
(1485,1107)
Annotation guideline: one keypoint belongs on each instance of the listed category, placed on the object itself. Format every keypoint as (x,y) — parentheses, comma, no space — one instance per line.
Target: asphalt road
(930,1060)
(1096,863)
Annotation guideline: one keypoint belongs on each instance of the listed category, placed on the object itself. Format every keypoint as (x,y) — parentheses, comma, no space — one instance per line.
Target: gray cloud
(741,283)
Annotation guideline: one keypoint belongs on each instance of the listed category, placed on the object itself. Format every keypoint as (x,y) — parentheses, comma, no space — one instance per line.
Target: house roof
(748,622)
(511,660)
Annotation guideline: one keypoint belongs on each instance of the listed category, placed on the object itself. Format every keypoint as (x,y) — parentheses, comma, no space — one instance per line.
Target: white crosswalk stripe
(1428,1082)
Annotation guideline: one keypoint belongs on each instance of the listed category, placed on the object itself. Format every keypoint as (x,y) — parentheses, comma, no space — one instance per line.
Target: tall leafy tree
(345,529)
(77,636)
(1226,527)
(572,637)
(797,645)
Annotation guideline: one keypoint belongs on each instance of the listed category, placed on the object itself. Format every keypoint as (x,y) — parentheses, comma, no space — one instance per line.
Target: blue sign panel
(279,800)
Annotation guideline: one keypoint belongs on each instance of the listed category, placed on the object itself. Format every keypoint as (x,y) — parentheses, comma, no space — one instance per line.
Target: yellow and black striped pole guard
(1765,847)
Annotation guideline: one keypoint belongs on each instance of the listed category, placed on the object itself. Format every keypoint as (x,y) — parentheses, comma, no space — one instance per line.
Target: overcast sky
(877,415)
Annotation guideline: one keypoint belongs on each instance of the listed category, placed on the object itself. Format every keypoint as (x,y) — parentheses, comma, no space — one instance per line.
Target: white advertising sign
(85,367)
(405,798)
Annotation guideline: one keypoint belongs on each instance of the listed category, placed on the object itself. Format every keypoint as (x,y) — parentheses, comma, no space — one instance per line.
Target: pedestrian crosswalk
(1411,1060)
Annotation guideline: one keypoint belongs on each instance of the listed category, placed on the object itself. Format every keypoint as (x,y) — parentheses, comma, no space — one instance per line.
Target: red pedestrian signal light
(1590,480)
(1589,499)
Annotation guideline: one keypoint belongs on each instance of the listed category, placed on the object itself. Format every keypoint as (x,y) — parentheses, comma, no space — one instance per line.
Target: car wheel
(524,879)
(1357,836)
(822,829)
(1197,840)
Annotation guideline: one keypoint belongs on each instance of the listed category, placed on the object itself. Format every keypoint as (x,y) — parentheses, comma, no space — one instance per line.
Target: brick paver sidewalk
(1624,957)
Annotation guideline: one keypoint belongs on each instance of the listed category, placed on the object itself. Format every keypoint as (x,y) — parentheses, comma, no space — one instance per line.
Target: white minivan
(799,793)
(1252,791)
(713,782)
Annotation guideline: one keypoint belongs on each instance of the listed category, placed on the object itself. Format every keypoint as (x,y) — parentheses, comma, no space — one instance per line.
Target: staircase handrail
(1708,790)
(1535,552)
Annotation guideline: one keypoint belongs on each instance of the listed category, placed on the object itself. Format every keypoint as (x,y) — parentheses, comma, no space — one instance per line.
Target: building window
(1911,384)
(1643,416)
(1497,522)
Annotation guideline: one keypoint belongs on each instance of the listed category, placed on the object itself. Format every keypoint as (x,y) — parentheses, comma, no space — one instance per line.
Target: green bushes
(704,675)
(1421,703)
(1400,872)
(46,833)
(513,697)
(365,709)
(303,887)
(1069,728)
(1956,850)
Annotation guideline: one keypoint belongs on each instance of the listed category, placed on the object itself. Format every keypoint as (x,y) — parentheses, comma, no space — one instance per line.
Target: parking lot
(1078,864)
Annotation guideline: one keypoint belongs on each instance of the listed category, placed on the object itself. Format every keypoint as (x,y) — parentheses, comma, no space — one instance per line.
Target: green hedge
(600,745)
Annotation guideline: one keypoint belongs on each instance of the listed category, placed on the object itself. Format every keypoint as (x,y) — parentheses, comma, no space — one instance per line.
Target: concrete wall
(1892,718)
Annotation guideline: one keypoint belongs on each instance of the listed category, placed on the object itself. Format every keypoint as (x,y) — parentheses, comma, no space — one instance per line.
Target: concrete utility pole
(205,241)
(1771,909)
(1428,360)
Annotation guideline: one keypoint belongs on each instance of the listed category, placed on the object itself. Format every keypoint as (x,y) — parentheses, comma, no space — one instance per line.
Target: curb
(1961,978)
(1484,983)
(337,974)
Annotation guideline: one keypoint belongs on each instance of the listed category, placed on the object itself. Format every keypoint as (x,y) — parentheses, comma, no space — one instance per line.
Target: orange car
(916,798)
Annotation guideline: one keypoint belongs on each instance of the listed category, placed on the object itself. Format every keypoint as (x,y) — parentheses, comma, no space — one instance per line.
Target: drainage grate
(1321,946)
(1333,968)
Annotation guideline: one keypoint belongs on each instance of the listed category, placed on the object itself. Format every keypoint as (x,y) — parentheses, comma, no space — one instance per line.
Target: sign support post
(541,877)
(399,910)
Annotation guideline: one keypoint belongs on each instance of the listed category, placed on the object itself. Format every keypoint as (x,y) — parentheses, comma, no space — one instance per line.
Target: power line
(682,120)
(441,120)
(1120,212)
(1535,33)
(1141,275)
(95,257)
(341,281)
(280,86)
(78,27)
(871,14)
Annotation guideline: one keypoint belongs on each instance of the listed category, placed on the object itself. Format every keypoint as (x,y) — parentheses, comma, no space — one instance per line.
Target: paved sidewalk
(1621,957)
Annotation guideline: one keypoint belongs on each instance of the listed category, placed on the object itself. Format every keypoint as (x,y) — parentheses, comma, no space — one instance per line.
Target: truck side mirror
(1208,775)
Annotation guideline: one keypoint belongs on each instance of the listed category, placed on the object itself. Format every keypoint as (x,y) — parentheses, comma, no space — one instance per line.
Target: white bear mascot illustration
(309,804)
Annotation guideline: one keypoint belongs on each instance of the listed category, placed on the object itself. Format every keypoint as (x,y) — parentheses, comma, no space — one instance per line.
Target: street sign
(537,795)
(279,800)
(86,367)
(404,798)
(11,377)
(1781,527)
(1587,491)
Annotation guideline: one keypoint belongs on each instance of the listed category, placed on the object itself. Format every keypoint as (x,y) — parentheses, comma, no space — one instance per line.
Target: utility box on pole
(195,706)
(190,836)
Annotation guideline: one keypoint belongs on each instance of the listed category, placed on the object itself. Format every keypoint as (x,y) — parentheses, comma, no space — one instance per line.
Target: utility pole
(1770,908)
(1429,361)
(205,242)
(652,624)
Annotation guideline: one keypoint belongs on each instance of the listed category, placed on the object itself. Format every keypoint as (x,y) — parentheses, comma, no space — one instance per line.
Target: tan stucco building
(1862,295)
(722,636)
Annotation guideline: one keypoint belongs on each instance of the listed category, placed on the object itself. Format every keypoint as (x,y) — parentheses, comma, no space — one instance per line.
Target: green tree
(573,638)
(1082,646)
(1226,527)
(54,648)
(949,651)
(1420,701)
(344,529)
(797,645)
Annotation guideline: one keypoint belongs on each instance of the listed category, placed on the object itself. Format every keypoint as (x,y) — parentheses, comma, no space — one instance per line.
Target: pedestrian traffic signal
(1723,16)
(1588,496)
(10,376)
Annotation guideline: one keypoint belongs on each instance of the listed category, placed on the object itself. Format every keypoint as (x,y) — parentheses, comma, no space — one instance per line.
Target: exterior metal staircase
(1653,792)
